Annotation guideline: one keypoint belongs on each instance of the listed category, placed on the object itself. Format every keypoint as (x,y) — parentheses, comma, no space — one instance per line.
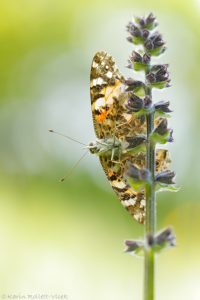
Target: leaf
(139,148)
(139,66)
(156,51)
(140,91)
(159,85)
(161,139)
(138,40)
(160,113)
(137,185)
(162,187)
(165,239)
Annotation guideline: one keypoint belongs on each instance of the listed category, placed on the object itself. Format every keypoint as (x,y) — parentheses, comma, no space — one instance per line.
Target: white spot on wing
(99,81)
(99,103)
(118,184)
(94,65)
(137,217)
(109,74)
(142,203)
(127,203)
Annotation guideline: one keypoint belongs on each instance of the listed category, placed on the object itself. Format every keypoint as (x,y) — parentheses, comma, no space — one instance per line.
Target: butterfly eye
(92,148)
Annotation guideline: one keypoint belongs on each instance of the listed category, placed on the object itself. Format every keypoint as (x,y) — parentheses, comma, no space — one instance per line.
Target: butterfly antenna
(66,136)
(73,168)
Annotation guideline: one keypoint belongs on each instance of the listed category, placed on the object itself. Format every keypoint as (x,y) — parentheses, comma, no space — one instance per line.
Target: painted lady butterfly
(118,133)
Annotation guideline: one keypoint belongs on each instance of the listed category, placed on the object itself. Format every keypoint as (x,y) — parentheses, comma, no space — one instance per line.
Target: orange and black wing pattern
(110,117)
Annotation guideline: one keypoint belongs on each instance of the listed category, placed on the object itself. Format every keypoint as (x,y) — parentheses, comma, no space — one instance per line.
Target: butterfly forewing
(105,86)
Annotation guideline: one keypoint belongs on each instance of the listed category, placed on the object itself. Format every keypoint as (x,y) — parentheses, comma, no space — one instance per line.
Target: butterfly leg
(113,154)
(119,161)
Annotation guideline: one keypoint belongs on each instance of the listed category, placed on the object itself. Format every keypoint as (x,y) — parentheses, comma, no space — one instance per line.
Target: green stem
(150,224)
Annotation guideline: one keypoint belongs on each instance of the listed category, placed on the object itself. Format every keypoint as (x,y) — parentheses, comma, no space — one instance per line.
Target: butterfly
(118,133)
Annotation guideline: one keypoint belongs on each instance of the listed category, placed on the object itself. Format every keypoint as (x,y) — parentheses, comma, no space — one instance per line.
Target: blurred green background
(68,238)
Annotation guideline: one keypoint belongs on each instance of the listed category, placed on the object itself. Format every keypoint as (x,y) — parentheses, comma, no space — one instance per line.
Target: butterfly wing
(110,119)
(105,87)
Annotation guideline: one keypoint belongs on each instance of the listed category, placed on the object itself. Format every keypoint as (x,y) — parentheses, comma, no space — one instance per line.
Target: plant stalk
(150,224)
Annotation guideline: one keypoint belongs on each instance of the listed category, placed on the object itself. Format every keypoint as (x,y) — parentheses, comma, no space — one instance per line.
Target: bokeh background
(68,238)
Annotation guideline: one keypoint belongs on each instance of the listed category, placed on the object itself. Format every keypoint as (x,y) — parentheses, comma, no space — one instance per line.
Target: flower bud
(145,33)
(147,102)
(166,237)
(133,246)
(165,177)
(138,35)
(148,22)
(134,103)
(163,106)
(138,61)
(154,44)
(135,141)
(170,136)
(138,174)
(133,29)
(133,172)
(158,76)
(151,21)
(161,133)
(136,57)
(163,240)
(133,85)
(162,127)
(146,58)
